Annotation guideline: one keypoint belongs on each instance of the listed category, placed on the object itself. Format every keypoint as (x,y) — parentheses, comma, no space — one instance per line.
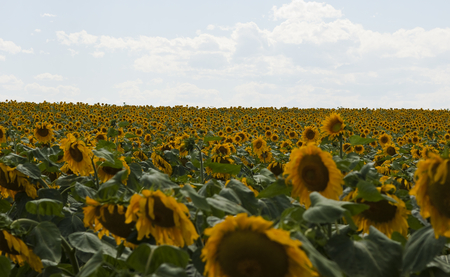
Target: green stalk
(95,174)
(340,145)
(201,163)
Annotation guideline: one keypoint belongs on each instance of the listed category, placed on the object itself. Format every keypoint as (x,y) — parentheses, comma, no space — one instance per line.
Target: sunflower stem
(201,163)
(336,226)
(95,173)
(340,145)
(71,254)
(147,265)
(329,230)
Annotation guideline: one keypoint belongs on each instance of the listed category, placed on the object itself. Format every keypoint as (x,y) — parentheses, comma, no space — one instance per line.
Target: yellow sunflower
(310,134)
(311,169)
(161,164)
(384,139)
(14,248)
(359,149)
(107,219)
(105,173)
(77,155)
(13,181)
(221,149)
(161,216)
(250,246)
(266,156)
(333,125)
(259,145)
(43,132)
(386,216)
(2,134)
(390,149)
(276,168)
(432,191)
(347,148)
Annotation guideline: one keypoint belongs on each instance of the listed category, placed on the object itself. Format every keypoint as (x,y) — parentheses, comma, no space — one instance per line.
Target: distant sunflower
(432,191)
(359,149)
(13,247)
(161,164)
(100,136)
(259,145)
(161,216)
(310,134)
(390,149)
(266,156)
(276,168)
(333,125)
(249,246)
(347,148)
(2,134)
(221,149)
(13,181)
(105,173)
(77,155)
(107,218)
(384,139)
(311,169)
(43,132)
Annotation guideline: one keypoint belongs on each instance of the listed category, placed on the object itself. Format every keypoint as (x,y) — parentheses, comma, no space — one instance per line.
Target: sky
(209,53)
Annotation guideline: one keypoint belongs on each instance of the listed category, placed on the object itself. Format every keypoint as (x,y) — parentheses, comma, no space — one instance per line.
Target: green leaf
(167,270)
(92,265)
(168,254)
(70,224)
(86,242)
(225,205)
(275,206)
(324,210)
(247,197)
(414,223)
(30,170)
(368,191)
(4,206)
(374,256)
(355,140)
(206,139)
(138,258)
(105,154)
(233,169)
(157,180)
(276,188)
(128,135)
(45,207)
(420,249)
(5,266)
(123,124)
(46,239)
(265,177)
(112,133)
(198,200)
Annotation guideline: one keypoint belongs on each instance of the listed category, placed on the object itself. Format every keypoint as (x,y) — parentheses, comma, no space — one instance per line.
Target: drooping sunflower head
(333,125)
(245,246)
(311,169)
(105,172)
(161,164)
(259,145)
(161,216)
(13,181)
(432,191)
(13,247)
(43,132)
(2,134)
(347,148)
(276,168)
(77,155)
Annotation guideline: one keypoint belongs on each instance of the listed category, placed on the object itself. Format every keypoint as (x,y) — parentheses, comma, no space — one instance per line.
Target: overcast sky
(257,53)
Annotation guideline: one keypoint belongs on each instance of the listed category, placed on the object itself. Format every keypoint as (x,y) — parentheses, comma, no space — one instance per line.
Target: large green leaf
(168,270)
(46,239)
(156,180)
(225,205)
(356,140)
(168,254)
(247,197)
(324,210)
(5,266)
(45,207)
(92,265)
(276,188)
(374,256)
(86,242)
(4,205)
(198,200)
(206,139)
(233,169)
(70,224)
(138,258)
(105,154)
(420,249)
(274,207)
(30,170)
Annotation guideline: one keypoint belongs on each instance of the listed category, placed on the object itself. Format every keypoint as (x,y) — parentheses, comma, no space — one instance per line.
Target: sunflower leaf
(92,265)
(46,239)
(105,154)
(233,169)
(86,242)
(168,254)
(276,188)
(368,191)
(355,140)
(5,266)
(30,170)
(206,139)
(45,206)
(138,258)
(198,200)
(123,124)
(247,197)
(225,205)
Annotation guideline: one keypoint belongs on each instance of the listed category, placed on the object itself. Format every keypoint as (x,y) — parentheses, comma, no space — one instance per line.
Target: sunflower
(311,169)
(333,125)
(140,155)
(384,139)
(310,134)
(105,173)
(432,191)
(390,149)
(161,216)
(13,181)
(43,132)
(2,134)
(14,248)
(347,147)
(106,219)
(161,164)
(77,155)
(359,149)
(100,136)
(386,216)
(276,168)
(265,156)
(259,145)
(222,149)
(249,246)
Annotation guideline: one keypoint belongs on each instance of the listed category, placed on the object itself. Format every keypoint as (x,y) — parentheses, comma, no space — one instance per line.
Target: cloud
(30,51)
(210,27)
(98,54)
(305,11)
(48,15)
(37,30)
(10,82)
(9,46)
(45,91)
(48,76)
(73,52)
(81,37)
(2,58)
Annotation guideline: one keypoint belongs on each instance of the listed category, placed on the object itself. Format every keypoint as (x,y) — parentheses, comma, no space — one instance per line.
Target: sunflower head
(333,125)
(2,134)
(310,134)
(259,145)
(43,132)
(15,248)
(77,155)
(249,246)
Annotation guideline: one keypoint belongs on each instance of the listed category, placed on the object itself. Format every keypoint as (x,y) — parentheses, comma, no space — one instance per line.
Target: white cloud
(30,51)
(161,64)
(156,81)
(9,46)
(2,58)
(10,82)
(210,27)
(306,11)
(81,37)
(73,52)
(98,54)
(37,30)
(48,15)
(52,91)
(49,76)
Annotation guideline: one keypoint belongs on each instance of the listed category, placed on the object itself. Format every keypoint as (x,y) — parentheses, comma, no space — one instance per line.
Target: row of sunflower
(105,190)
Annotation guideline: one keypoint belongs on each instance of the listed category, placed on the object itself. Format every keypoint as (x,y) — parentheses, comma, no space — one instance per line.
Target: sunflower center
(115,223)
(43,132)
(246,253)
(163,215)
(358,148)
(223,150)
(4,246)
(277,169)
(391,151)
(336,127)
(110,170)
(314,173)
(76,154)
(384,140)
(258,144)
(440,195)
(381,211)
(310,134)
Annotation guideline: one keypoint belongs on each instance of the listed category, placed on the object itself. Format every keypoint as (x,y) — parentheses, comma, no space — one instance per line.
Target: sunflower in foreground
(242,246)
(311,169)
(387,217)
(14,248)
(2,134)
(13,181)
(161,216)
(432,191)
(333,125)
(43,132)
(106,219)
(77,155)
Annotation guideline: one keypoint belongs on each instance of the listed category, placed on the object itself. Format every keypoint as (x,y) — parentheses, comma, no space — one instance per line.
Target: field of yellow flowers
(106,190)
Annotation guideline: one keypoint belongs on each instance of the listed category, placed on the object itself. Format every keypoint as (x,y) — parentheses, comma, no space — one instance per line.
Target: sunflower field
(106,190)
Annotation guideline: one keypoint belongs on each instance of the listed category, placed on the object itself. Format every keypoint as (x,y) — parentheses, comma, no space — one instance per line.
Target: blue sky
(227,53)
